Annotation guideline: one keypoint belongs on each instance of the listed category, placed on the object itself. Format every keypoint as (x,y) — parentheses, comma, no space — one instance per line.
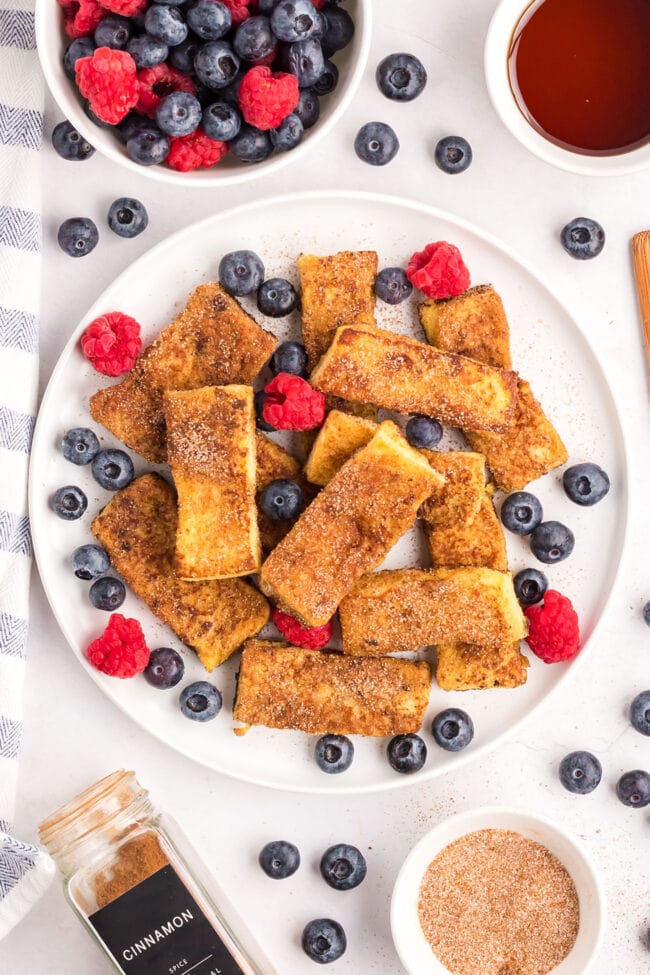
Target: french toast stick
(339,437)
(399,373)
(338,289)
(281,686)
(138,530)
(478,542)
(472,324)
(349,527)
(211,451)
(461,495)
(403,609)
(466,666)
(213,342)
(273,463)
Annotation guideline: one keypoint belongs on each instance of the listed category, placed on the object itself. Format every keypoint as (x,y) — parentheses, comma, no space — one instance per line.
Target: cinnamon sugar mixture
(497,903)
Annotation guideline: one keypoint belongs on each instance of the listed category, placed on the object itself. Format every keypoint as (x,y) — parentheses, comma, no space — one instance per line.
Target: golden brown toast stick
(281,686)
(211,451)
(404,609)
(461,495)
(398,373)
(213,342)
(478,542)
(465,666)
(349,528)
(472,324)
(138,530)
(338,438)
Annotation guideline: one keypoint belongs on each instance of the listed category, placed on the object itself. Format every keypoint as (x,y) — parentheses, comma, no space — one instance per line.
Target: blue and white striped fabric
(24,871)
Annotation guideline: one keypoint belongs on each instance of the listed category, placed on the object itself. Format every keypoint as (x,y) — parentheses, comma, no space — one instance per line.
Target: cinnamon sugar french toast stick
(403,609)
(466,666)
(473,323)
(213,342)
(281,686)
(349,527)
(211,451)
(401,374)
(138,530)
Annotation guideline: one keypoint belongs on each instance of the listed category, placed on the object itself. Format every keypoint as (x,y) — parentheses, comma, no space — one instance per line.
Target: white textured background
(74,735)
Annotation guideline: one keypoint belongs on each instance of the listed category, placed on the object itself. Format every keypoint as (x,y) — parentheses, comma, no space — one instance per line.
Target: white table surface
(73,735)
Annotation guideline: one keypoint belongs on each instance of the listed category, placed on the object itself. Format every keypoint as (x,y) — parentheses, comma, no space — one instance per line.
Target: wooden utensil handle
(641,256)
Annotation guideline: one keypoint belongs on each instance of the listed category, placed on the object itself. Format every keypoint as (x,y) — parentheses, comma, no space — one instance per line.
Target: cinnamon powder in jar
(135,861)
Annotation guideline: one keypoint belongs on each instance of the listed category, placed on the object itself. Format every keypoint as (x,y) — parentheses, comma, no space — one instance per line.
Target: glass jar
(141,890)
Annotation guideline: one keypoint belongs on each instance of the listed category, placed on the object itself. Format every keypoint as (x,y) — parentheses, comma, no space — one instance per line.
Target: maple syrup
(579,73)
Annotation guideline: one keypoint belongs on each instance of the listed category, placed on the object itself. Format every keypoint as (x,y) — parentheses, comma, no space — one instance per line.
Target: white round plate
(549,349)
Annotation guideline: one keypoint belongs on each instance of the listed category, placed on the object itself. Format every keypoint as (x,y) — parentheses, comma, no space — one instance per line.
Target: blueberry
(112,469)
(521,513)
(282,500)
(251,145)
(343,867)
(376,143)
(166,24)
(69,502)
(78,236)
(178,114)
(338,30)
(182,55)
(132,124)
(552,542)
(294,20)
(241,272)
(586,484)
(221,121)
(89,562)
(127,217)
(216,64)
(113,31)
(81,47)
(279,859)
(580,772)
(209,19)
(107,594)
(70,144)
(277,298)
(640,713)
(453,155)
(254,39)
(407,753)
(288,134)
(646,614)
(583,238)
(308,107)
(327,80)
(260,422)
(165,668)
(148,147)
(530,586)
(304,59)
(633,788)
(147,51)
(290,357)
(401,77)
(79,445)
(453,729)
(324,941)
(392,285)
(200,701)
(334,753)
(423,432)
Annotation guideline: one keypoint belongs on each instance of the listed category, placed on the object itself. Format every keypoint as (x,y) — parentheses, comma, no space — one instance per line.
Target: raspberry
(438,271)
(156,83)
(108,81)
(112,343)
(239,9)
(120,651)
(310,637)
(195,151)
(291,403)
(554,633)
(266,97)
(126,8)
(81,17)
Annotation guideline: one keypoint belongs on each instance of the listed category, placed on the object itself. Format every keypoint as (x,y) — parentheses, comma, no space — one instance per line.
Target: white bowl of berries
(205,92)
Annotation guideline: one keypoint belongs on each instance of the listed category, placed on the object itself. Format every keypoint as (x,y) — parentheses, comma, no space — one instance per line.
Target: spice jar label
(157,928)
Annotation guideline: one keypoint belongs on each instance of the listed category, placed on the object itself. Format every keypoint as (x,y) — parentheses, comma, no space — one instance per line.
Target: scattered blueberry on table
(78,236)
(640,713)
(279,859)
(324,941)
(127,217)
(583,238)
(453,155)
(633,789)
(343,867)
(70,144)
(376,143)
(580,772)
(401,77)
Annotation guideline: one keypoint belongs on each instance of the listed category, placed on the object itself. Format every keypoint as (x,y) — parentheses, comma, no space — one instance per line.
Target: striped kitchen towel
(24,870)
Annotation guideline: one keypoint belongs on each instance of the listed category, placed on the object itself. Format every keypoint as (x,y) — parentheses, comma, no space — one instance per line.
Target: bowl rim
(504,20)
(493,817)
(64,96)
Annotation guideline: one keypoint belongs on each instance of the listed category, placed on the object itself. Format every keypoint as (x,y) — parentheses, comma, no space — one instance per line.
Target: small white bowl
(351,62)
(497,47)
(410,942)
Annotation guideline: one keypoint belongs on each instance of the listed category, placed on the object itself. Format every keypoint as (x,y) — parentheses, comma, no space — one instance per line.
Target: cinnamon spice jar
(140,889)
